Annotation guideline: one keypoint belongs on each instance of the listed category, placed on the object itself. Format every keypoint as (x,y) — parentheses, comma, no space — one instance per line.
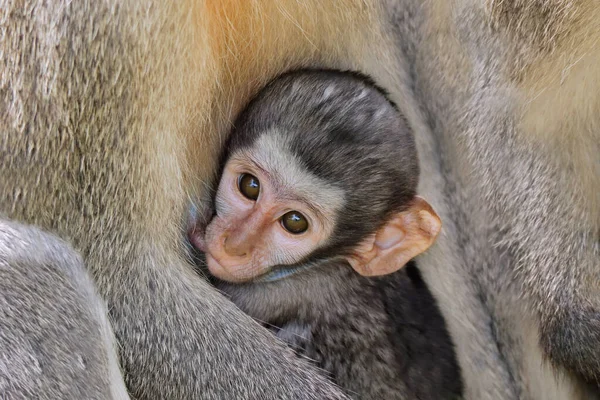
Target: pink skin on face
(246,239)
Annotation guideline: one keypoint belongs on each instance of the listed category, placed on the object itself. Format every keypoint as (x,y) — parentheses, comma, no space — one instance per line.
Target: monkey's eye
(294,222)
(249,186)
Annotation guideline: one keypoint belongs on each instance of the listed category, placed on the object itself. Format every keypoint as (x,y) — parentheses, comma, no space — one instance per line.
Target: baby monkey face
(269,211)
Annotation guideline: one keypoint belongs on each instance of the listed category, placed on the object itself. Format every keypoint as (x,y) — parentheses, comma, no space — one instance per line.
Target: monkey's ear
(405,236)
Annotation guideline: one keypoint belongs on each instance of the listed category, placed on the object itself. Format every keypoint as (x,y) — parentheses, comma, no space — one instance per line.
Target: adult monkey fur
(113,112)
(58,344)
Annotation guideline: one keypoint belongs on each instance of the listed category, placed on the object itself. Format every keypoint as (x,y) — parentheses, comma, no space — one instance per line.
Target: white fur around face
(246,239)
(270,153)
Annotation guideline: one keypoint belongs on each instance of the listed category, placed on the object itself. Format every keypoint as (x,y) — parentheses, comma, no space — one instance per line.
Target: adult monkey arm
(108,111)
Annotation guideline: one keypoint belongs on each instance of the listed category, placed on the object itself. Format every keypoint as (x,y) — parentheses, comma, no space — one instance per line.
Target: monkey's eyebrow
(319,212)
(261,169)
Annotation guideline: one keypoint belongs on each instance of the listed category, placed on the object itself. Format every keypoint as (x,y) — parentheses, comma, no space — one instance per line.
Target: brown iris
(249,186)
(294,222)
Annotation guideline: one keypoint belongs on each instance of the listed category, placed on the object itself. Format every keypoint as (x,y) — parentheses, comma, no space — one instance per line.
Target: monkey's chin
(220,272)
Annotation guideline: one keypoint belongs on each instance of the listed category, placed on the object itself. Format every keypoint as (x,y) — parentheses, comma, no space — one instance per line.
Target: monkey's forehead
(271,154)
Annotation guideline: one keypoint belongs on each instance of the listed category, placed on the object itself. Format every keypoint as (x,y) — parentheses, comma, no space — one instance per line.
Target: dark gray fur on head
(344,130)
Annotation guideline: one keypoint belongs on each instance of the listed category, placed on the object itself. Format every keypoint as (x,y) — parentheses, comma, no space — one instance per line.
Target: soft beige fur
(113,113)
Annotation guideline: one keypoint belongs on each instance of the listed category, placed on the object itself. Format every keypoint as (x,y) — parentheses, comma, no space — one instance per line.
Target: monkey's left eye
(249,186)
(294,222)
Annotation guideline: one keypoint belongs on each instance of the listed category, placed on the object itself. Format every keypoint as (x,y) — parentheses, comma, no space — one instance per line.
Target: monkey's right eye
(249,186)
(294,222)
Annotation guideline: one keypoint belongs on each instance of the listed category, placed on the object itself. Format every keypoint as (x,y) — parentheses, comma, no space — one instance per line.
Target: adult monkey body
(527,229)
(104,106)
(109,110)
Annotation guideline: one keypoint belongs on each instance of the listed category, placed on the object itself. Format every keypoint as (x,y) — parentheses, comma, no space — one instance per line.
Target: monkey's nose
(235,249)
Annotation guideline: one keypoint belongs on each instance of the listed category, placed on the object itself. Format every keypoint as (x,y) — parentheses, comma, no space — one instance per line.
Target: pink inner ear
(389,236)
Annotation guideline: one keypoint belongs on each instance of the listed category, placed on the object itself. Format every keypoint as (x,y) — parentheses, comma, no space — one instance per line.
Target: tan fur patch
(559,76)
(543,24)
(454,64)
(555,53)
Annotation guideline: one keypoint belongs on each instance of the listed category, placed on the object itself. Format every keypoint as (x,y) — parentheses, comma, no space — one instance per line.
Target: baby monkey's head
(320,165)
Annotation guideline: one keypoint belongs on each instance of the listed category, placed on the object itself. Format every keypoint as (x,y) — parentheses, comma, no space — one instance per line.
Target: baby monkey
(320,166)
(320,175)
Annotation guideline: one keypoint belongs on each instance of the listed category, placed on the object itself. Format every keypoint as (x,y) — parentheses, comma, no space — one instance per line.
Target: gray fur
(349,329)
(54,333)
(378,338)
(520,256)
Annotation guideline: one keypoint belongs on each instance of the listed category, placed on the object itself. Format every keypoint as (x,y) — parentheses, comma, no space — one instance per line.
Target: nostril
(240,254)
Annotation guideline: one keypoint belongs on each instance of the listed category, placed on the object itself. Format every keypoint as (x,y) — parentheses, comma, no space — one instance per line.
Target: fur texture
(518,167)
(378,338)
(112,115)
(56,341)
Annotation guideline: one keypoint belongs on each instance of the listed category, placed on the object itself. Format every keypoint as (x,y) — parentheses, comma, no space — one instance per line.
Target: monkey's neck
(285,271)
(281,272)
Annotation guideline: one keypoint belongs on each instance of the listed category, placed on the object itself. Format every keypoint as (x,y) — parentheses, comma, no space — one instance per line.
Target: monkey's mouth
(197,236)
(198,222)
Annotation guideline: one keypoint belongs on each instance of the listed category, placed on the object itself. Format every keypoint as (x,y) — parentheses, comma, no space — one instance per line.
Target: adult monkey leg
(510,91)
(55,336)
(111,117)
